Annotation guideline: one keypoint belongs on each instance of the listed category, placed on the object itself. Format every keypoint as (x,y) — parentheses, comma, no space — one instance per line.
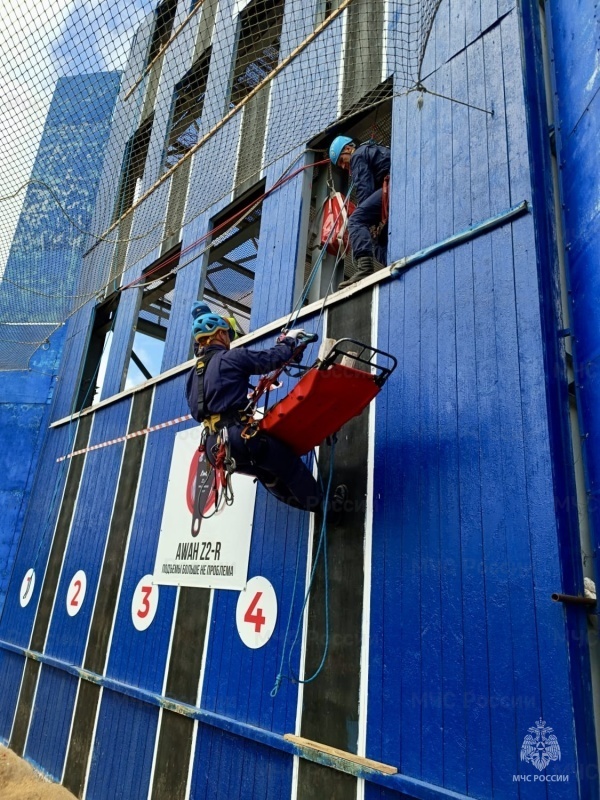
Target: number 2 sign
(76,592)
(256,612)
(144,603)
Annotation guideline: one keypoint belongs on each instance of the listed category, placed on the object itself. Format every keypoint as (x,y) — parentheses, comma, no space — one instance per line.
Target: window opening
(164,16)
(258,46)
(229,279)
(152,322)
(187,105)
(98,350)
(325,8)
(134,160)
(376,125)
(364,35)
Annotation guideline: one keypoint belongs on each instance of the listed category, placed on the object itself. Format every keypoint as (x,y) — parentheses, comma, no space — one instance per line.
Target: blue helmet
(199,307)
(207,324)
(336,147)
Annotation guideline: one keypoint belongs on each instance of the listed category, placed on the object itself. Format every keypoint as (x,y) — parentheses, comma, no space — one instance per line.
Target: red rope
(223,224)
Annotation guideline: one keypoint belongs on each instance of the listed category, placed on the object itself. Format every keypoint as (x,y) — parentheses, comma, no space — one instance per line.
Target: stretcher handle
(383,372)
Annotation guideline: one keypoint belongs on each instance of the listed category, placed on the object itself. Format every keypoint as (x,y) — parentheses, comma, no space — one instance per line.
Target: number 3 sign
(144,603)
(256,612)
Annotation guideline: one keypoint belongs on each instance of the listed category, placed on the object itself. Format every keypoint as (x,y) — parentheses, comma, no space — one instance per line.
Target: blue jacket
(227,375)
(369,165)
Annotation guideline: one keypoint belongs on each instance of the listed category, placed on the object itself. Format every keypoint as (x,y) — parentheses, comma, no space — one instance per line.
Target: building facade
(451,671)
(45,257)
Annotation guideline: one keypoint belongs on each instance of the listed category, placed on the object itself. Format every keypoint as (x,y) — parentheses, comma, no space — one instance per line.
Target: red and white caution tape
(132,435)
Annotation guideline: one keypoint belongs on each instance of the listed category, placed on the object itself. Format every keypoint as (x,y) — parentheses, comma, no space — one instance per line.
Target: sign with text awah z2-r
(197,547)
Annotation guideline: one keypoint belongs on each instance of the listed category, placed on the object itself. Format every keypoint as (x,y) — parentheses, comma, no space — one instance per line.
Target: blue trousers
(365,215)
(275,465)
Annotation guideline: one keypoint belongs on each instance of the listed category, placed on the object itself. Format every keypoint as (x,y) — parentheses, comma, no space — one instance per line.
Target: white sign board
(27,586)
(76,592)
(144,603)
(198,547)
(256,612)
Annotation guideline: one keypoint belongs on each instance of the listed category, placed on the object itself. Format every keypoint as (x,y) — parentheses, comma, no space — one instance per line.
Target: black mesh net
(123,121)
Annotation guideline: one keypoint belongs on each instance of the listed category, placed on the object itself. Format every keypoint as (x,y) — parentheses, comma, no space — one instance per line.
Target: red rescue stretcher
(328,395)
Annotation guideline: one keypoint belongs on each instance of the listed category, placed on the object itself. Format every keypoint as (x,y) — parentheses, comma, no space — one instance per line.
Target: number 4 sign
(144,603)
(256,612)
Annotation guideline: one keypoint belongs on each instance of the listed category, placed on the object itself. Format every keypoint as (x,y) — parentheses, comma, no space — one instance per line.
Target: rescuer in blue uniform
(369,165)
(225,380)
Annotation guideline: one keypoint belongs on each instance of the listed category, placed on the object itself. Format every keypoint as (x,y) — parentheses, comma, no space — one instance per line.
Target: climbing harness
(209,500)
(315,269)
(385,201)
(334,227)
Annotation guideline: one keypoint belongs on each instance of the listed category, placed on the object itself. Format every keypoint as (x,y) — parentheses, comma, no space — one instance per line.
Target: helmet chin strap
(220,337)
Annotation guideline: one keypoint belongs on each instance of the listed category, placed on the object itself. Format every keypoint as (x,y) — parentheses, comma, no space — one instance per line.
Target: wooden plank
(452,686)
(478,753)
(498,519)
(429,510)
(378,766)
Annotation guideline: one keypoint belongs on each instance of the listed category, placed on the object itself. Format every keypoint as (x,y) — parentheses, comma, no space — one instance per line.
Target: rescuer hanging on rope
(369,166)
(217,394)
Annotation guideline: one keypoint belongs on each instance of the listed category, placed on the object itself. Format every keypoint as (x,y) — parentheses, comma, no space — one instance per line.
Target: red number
(27,587)
(77,585)
(258,619)
(143,612)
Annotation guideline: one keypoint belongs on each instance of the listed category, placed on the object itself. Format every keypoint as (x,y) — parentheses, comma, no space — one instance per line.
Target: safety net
(123,121)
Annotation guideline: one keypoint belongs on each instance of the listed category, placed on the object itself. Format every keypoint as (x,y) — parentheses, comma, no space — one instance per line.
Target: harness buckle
(210,423)
(250,430)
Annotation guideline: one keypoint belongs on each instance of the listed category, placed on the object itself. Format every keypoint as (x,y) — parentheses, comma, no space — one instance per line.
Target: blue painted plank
(187,289)
(412,689)
(551,634)
(16,623)
(473,15)
(475,630)
(385,689)
(11,674)
(123,749)
(488,169)
(120,348)
(210,189)
(298,23)
(71,362)
(428,465)
(489,12)
(139,657)
(452,687)
(265,774)
(397,223)
(51,721)
(300,87)
(147,229)
(278,243)
(67,635)
(458,27)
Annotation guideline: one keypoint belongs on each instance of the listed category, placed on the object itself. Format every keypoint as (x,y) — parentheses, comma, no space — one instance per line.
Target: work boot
(364,266)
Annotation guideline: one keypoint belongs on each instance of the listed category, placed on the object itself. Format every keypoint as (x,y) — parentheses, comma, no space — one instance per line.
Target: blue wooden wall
(462,648)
